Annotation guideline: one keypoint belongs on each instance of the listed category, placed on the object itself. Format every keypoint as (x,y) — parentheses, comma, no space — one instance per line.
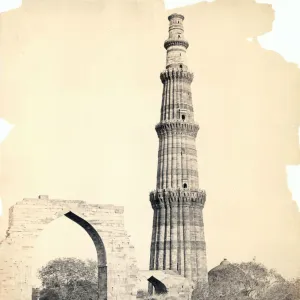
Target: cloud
(293,179)
(6,5)
(5,128)
(171,4)
(286,28)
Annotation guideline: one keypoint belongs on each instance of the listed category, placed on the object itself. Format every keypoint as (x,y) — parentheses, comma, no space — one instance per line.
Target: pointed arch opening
(159,287)
(101,252)
(53,236)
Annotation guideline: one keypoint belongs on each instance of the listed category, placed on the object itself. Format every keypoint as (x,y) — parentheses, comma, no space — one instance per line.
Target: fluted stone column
(167,261)
(193,243)
(164,162)
(169,162)
(153,240)
(178,242)
(161,236)
(187,240)
(181,241)
(174,238)
(174,151)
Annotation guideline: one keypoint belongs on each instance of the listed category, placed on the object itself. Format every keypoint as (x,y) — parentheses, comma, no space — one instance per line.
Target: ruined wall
(177,286)
(29,217)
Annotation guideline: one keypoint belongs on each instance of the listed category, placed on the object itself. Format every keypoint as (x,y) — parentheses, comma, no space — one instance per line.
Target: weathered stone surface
(104,224)
(174,284)
(178,241)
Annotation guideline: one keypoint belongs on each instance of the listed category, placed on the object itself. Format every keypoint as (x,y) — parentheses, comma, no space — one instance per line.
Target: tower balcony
(177,127)
(178,42)
(172,73)
(163,197)
(177,16)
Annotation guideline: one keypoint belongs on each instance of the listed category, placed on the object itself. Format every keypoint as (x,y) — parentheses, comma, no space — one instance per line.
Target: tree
(287,290)
(49,294)
(246,281)
(69,279)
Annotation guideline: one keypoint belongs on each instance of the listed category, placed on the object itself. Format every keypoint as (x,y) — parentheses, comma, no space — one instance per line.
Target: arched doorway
(29,218)
(159,287)
(101,253)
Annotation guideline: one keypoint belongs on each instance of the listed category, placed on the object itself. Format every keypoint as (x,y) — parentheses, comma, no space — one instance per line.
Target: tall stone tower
(178,241)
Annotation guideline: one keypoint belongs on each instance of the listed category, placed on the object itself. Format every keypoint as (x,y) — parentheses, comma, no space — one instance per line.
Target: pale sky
(283,40)
(280,39)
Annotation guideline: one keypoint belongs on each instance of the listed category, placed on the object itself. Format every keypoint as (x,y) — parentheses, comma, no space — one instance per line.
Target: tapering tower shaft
(178,241)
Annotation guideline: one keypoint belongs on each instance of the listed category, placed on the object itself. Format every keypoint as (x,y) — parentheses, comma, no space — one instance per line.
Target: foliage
(247,281)
(69,279)
(287,290)
(49,294)
(200,292)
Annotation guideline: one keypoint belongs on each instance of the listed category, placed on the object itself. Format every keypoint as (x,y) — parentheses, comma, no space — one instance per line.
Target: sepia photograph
(147,151)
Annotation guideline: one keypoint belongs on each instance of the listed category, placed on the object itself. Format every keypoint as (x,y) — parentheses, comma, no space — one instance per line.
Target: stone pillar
(169,83)
(163,105)
(102,282)
(174,150)
(183,158)
(180,238)
(179,166)
(167,238)
(153,240)
(161,162)
(178,158)
(169,161)
(164,162)
(200,244)
(174,243)
(179,234)
(188,175)
(193,244)
(161,236)
(202,268)
(173,98)
(187,240)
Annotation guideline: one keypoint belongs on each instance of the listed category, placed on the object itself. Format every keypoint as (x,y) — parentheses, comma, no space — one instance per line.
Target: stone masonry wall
(29,217)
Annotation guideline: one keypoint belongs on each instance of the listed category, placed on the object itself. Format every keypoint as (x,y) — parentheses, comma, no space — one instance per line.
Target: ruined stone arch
(100,249)
(104,224)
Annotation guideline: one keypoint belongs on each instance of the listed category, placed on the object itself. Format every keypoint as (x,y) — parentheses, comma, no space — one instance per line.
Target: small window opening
(178,22)
(179,54)
(180,66)
(183,117)
(184,185)
(179,36)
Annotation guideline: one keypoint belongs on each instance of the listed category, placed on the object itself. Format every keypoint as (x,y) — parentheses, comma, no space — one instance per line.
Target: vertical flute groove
(178,241)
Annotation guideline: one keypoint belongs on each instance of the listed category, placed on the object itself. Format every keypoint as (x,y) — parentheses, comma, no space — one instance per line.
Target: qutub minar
(178,241)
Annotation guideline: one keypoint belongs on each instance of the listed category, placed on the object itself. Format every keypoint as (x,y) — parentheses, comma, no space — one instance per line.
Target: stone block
(105,225)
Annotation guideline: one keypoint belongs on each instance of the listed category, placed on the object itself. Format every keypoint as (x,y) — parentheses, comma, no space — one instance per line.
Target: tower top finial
(175,16)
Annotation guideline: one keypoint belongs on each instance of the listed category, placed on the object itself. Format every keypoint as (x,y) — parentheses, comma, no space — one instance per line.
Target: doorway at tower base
(163,284)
